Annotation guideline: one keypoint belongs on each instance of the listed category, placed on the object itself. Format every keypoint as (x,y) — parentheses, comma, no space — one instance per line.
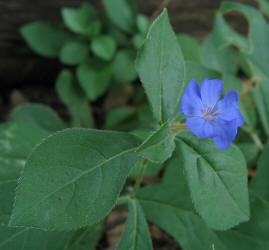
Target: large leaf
(85,238)
(82,20)
(222,60)
(136,235)
(73,97)
(24,238)
(199,72)
(260,181)
(161,69)
(16,142)
(191,49)
(40,116)
(252,234)
(73,178)
(45,38)
(94,77)
(121,13)
(159,145)
(217,180)
(170,207)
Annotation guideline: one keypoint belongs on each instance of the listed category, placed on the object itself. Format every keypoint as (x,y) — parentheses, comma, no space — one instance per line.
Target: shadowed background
(21,67)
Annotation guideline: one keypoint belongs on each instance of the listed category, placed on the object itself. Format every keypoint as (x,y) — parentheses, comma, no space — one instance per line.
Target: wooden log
(19,65)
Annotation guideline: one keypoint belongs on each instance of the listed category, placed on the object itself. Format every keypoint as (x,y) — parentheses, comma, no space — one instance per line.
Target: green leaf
(73,178)
(118,116)
(142,23)
(161,69)
(213,181)
(199,72)
(121,13)
(191,49)
(45,38)
(124,68)
(250,151)
(16,142)
(150,168)
(261,97)
(104,47)
(259,183)
(85,238)
(94,77)
(223,60)
(73,97)
(252,234)
(40,116)
(159,145)
(82,20)
(254,50)
(170,207)
(231,82)
(74,52)
(24,238)
(136,235)
(264,7)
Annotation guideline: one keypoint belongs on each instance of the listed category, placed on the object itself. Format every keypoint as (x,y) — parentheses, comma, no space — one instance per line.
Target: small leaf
(264,7)
(136,235)
(74,52)
(142,23)
(73,178)
(45,38)
(124,68)
(213,181)
(191,49)
(40,116)
(73,97)
(121,13)
(118,116)
(94,77)
(259,183)
(103,47)
(161,69)
(170,207)
(159,145)
(82,20)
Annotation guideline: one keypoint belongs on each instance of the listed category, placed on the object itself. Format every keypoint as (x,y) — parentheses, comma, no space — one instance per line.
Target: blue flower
(209,116)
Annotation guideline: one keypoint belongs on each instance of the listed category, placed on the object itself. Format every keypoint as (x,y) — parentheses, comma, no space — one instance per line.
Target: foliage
(60,180)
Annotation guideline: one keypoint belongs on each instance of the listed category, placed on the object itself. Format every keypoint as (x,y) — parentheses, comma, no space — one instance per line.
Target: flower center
(210,114)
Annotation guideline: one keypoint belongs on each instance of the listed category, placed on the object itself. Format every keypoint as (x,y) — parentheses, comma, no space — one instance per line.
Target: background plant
(71,178)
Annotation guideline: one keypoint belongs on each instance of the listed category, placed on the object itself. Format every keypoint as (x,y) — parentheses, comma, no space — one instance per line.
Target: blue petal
(191,103)
(228,108)
(210,92)
(201,127)
(226,133)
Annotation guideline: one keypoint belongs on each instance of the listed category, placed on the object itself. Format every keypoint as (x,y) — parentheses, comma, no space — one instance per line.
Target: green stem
(123,199)
(254,137)
(139,178)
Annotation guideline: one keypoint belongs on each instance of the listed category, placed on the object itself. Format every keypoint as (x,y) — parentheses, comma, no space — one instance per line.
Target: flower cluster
(210,117)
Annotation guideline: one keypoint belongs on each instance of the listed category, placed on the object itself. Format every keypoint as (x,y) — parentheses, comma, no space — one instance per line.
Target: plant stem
(139,178)
(123,199)
(254,137)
